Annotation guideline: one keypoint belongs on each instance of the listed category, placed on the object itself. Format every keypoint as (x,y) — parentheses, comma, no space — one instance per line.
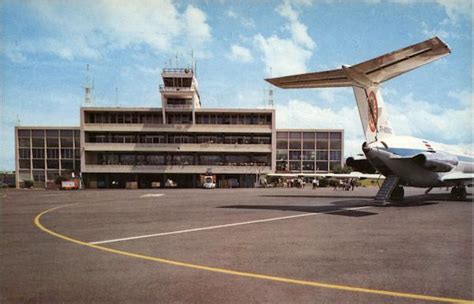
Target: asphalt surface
(317,246)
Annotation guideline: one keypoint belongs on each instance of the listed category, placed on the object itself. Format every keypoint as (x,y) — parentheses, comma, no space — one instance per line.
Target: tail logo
(373,114)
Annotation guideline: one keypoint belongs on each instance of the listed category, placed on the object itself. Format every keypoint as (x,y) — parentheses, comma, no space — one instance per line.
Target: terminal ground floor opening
(163,180)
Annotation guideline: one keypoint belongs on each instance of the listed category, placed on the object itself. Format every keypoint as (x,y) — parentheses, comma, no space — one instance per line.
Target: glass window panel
(53,164)
(322,135)
(308,145)
(38,153)
(52,142)
(67,153)
(335,144)
(282,155)
(67,133)
(25,164)
(66,142)
(67,165)
(282,144)
(24,153)
(322,155)
(52,153)
(38,142)
(210,160)
(52,133)
(23,133)
(37,133)
(24,142)
(335,135)
(282,135)
(295,166)
(308,166)
(335,155)
(295,155)
(295,135)
(295,144)
(309,155)
(282,166)
(334,165)
(322,145)
(322,166)
(38,163)
(309,136)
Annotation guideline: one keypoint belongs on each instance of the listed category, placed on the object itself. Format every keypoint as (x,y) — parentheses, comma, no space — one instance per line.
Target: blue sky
(46,45)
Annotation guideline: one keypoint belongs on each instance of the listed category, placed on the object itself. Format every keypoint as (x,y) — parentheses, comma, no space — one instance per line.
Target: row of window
(50,142)
(308,155)
(66,164)
(48,133)
(142,159)
(306,166)
(178,118)
(177,139)
(309,145)
(307,136)
(50,153)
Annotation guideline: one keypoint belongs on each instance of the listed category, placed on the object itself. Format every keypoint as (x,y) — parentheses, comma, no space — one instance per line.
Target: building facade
(309,151)
(45,153)
(180,141)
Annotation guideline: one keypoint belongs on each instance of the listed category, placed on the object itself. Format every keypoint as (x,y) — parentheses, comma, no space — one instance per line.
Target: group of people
(346,184)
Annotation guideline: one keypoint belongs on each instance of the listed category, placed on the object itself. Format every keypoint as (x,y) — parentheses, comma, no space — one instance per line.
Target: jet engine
(436,162)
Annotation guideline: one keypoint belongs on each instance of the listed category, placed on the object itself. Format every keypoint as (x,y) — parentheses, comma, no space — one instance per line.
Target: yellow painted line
(244,274)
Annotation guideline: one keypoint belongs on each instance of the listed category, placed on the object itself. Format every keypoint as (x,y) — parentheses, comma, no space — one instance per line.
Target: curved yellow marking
(243,274)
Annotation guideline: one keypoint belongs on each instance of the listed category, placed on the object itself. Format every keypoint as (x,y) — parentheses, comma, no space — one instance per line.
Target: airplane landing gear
(397,194)
(458,193)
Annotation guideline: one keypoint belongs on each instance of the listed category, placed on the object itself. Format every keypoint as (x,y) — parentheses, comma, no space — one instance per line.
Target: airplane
(403,160)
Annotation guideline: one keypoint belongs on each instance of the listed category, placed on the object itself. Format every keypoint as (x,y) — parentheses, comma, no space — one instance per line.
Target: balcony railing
(164,88)
(177,70)
(179,106)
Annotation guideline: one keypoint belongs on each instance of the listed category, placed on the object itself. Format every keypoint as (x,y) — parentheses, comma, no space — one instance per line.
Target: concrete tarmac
(234,246)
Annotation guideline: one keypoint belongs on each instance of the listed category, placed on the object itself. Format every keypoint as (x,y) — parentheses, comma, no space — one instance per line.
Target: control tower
(179,95)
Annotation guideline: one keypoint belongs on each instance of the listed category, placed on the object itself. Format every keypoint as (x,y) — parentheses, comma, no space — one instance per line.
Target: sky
(45,47)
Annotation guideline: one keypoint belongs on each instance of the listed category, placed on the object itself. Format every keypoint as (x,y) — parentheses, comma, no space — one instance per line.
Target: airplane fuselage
(418,162)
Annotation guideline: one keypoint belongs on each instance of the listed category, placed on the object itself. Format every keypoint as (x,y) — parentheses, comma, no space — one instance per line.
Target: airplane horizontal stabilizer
(370,72)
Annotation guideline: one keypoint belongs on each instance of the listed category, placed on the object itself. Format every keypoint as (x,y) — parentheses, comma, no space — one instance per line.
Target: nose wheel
(458,193)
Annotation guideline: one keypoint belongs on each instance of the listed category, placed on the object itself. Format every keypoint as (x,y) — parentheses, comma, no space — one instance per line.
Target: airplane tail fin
(366,77)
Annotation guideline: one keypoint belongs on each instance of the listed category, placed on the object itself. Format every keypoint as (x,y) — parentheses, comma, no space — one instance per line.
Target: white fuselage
(418,162)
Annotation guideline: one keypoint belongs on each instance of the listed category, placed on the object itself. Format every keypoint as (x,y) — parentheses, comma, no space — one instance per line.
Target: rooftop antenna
(177,60)
(88,87)
(270,92)
(18,122)
(192,59)
(116,97)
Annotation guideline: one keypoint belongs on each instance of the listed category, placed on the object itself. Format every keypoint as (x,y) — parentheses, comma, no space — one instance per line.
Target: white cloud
(464,97)
(283,56)
(415,117)
(287,55)
(456,8)
(240,53)
(88,29)
(302,114)
(245,21)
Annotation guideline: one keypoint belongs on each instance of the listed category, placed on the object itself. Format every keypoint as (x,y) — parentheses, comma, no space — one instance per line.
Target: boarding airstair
(388,186)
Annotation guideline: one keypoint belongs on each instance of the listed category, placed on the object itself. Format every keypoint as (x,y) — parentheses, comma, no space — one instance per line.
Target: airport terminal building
(117,147)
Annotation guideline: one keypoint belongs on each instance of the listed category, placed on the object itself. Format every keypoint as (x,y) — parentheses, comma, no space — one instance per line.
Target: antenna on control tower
(270,92)
(88,87)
